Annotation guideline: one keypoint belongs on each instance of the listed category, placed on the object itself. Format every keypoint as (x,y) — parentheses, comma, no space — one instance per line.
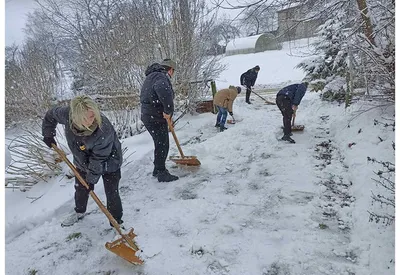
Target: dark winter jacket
(294,92)
(157,95)
(249,78)
(97,154)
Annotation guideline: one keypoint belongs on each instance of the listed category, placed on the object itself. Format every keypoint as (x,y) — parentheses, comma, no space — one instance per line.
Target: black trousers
(285,105)
(111,182)
(159,133)
(248,92)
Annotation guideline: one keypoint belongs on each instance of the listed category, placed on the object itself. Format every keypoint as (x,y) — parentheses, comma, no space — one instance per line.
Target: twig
(34,199)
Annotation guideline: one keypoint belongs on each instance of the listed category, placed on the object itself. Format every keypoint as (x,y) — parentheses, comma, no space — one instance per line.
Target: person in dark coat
(248,79)
(157,105)
(288,99)
(96,150)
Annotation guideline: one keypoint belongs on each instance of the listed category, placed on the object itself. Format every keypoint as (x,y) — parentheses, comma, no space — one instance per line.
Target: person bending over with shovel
(248,79)
(157,105)
(223,99)
(96,150)
(288,100)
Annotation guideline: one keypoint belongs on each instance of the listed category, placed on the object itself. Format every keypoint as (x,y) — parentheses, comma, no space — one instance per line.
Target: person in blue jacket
(288,99)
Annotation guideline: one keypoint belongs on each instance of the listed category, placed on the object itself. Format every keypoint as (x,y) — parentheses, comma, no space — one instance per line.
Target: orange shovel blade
(187,160)
(297,128)
(124,250)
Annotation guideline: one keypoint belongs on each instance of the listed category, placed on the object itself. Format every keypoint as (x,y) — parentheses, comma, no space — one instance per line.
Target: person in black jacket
(248,79)
(96,150)
(288,100)
(157,106)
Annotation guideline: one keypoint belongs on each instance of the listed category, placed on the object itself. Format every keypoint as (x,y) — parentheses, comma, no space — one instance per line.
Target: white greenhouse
(252,44)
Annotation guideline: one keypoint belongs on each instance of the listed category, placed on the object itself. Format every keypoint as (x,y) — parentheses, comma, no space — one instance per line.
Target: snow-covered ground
(256,205)
(277,67)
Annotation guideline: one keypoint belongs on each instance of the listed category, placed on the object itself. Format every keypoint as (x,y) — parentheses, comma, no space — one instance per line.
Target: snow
(242,43)
(290,5)
(8,158)
(277,67)
(256,205)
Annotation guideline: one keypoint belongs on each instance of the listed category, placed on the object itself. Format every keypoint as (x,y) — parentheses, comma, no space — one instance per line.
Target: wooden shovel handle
(92,194)
(171,128)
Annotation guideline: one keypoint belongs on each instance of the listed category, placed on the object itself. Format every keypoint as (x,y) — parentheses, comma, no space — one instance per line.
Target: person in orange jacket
(223,99)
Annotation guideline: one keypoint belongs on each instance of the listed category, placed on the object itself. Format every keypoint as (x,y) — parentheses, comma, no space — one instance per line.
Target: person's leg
(224,115)
(218,117)
(279,103)
(287,117)
(81,200)
(159,133)
(111,184)
(81,194)
(248,92)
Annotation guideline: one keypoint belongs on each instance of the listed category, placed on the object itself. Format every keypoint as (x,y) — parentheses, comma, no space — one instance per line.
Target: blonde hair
(79,106)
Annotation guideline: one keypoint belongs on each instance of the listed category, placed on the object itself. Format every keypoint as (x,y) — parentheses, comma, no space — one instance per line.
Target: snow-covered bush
(385,180)
(32,162)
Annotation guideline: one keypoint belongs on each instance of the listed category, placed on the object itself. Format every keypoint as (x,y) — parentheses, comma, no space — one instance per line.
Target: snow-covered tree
(327,70)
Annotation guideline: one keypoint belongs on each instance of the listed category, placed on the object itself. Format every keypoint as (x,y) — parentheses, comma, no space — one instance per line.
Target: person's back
(156,95)
(294,92)
(249,77)
(225,97)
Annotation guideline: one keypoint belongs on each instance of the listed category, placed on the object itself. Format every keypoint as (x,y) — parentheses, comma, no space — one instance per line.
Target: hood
(155,67)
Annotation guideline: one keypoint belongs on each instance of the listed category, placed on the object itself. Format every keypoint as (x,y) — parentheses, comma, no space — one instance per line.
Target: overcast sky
(16,11)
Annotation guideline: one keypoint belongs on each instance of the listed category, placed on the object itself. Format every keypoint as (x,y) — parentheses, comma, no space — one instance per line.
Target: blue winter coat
(294,92)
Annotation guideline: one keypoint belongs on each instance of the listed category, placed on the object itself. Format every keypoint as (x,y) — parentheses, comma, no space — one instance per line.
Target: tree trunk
(362,6)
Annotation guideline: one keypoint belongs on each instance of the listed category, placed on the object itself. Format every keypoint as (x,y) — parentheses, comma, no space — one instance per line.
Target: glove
(231,113)
(49,141)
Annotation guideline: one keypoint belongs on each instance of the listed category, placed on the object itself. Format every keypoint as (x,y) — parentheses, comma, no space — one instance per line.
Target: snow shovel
(184,160)
(233,120)
(296,128)
(266,101)
(125,247)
